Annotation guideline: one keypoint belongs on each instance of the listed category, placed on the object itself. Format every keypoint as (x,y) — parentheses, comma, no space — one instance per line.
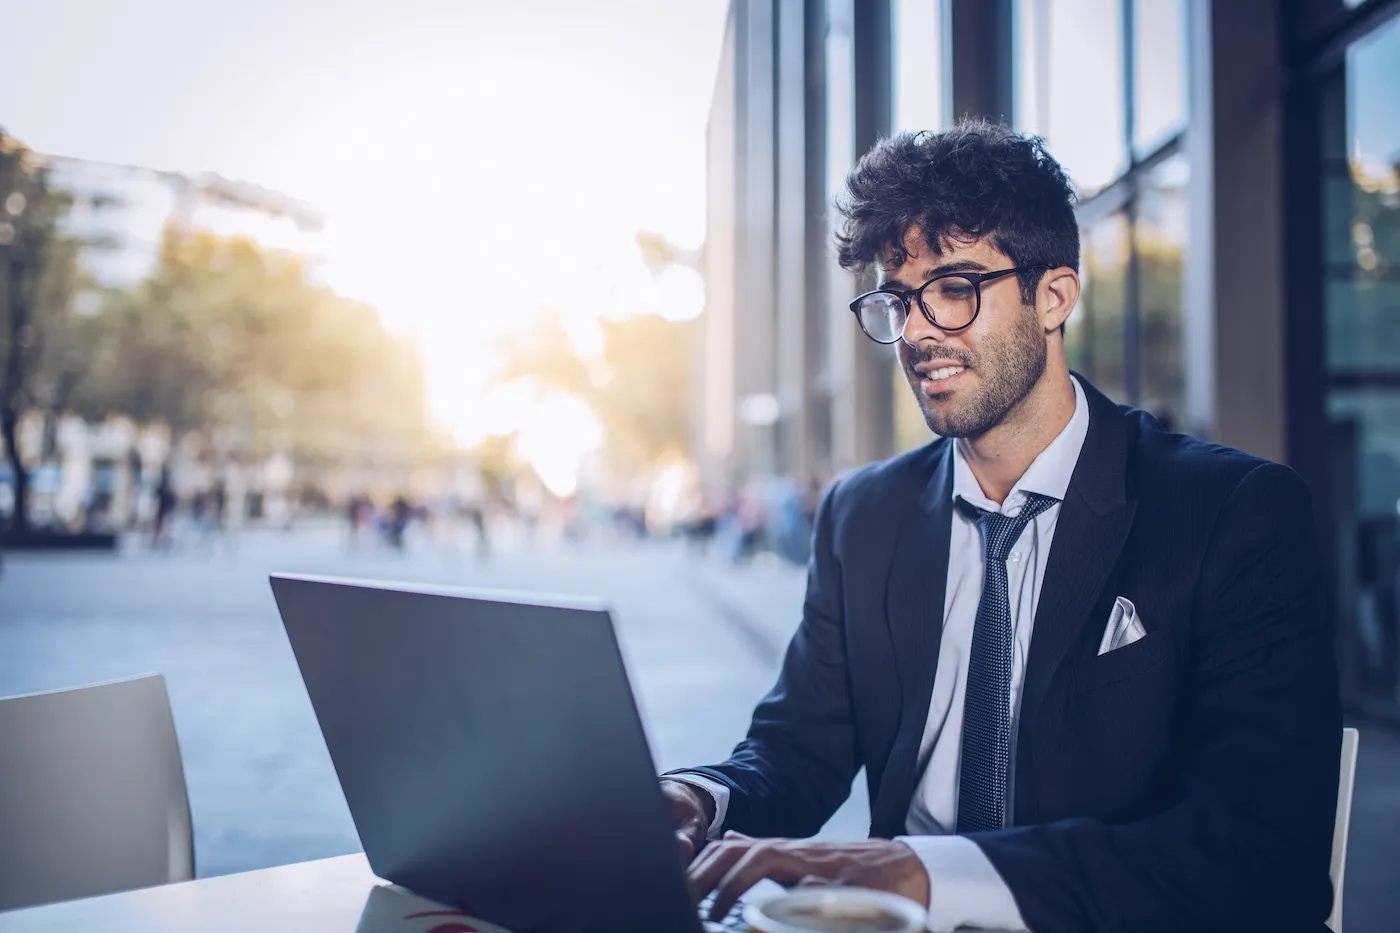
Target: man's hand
(733,865)
(694,811)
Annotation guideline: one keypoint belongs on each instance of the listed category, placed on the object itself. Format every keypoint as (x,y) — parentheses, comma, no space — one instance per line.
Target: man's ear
(1056,297)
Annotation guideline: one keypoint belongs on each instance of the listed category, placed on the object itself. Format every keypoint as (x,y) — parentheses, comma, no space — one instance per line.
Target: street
(702,644)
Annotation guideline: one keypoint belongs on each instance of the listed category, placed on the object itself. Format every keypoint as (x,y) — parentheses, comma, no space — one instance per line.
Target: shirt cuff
(717,791)
(965,889)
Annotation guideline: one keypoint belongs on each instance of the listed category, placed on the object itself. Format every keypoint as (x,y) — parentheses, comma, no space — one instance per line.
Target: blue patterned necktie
(986,738)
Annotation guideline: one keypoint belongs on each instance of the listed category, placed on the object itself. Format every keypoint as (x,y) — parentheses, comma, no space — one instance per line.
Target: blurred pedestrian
(751,517)
(356,516)
(166,502)
(400,513)
(216,514)
(476,514)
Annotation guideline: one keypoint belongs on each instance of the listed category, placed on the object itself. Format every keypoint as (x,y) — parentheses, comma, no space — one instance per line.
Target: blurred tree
(639,385)
(644,403)
(543,351)
(238,343)
(496,458)
(42,366)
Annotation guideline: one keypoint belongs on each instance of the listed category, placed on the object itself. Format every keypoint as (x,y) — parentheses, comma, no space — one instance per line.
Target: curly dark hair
(978,179)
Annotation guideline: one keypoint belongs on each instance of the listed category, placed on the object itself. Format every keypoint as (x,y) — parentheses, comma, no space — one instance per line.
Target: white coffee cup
(836,909)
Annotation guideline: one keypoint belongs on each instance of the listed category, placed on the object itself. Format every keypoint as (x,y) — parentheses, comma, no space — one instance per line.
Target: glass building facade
(1349,311)
(1238,167)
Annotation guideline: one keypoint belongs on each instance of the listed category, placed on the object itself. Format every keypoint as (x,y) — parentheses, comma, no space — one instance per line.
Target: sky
(475,159)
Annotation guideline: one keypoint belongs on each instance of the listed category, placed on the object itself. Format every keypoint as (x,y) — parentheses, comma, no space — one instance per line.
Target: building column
(1238,140)
(1198,265)
(817,242)
(716,360)
(756,236)
(981,47)
(859,374)
(796,354)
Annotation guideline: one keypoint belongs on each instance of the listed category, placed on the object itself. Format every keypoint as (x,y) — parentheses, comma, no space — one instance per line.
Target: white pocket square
(1124,627)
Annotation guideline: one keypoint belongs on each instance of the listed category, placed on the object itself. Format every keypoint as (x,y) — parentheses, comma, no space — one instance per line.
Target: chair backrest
(92,793)
(1340,828)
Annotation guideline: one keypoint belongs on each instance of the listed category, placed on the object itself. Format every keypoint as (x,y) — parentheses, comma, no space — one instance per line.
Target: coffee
(837,917)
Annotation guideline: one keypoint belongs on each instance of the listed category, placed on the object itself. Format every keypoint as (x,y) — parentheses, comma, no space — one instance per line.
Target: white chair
(1343,823)
(92,793)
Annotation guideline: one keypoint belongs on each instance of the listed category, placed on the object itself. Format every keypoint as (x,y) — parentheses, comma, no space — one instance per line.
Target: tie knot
(1000,532)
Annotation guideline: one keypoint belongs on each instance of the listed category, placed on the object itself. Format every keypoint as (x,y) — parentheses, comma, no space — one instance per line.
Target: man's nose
(917,327)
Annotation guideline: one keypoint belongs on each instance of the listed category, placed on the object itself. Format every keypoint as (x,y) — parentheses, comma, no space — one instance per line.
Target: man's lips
(939,375)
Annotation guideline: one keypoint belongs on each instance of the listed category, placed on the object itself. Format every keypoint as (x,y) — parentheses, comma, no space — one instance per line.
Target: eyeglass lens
(950,301)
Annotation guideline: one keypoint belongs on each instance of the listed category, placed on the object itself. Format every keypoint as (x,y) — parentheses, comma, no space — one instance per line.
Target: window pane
(1375,414)
(1362,222)
(1361,200)
(1085,128)
(1373,120)
(1159,59)
(1363,325)
(917,44)
(1094,332)
(1161,243)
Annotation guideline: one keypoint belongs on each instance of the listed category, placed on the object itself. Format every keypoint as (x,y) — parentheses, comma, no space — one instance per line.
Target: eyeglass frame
(975,278)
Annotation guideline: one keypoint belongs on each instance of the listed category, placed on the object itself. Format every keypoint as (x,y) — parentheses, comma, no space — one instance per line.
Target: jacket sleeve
(1247,843)
(797,763)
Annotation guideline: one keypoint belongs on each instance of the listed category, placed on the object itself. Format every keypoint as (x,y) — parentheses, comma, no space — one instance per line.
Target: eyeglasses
(950,302)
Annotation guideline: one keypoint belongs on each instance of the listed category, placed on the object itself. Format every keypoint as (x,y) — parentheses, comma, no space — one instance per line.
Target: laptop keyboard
(761,893)
(733,922)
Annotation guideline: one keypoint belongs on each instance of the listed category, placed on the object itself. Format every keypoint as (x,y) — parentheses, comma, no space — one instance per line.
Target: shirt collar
(1049,473)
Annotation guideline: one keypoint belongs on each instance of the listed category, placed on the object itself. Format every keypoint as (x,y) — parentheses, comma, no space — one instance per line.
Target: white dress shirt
(965,888)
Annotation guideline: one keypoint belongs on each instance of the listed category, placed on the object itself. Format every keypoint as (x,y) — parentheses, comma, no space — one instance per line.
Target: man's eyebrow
(961,265)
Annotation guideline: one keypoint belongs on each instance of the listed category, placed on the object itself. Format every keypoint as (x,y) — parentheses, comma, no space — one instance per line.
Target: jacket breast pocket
(1143,657)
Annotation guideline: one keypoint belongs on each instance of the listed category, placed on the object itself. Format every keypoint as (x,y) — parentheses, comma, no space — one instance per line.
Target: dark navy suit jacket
(1185,782)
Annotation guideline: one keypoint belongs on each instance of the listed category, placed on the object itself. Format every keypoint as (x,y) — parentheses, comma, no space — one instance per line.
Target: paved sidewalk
(762,600)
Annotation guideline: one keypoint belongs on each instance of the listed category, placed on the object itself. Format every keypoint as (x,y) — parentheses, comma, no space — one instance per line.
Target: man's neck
(999,457)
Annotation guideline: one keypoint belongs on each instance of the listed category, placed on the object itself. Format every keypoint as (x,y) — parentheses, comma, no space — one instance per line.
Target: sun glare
(461,246)
(558,433)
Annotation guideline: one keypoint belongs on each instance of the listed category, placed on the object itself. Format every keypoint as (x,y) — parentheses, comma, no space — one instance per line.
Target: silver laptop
(491,753)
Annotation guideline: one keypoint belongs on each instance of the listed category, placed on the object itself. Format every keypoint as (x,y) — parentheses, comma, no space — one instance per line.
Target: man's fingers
(730,846)
(712,851)
(758,863)
(687,845)
(713,863)
(812,881)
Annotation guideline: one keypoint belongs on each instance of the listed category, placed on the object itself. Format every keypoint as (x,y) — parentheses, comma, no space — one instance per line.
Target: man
(1085,663)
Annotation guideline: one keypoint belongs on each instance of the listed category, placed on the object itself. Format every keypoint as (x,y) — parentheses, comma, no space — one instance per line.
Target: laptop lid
(490,751)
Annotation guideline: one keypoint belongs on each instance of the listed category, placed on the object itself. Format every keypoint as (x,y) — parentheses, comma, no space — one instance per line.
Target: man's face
(967,381)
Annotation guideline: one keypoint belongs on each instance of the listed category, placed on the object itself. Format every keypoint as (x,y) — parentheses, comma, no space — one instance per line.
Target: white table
(335,895)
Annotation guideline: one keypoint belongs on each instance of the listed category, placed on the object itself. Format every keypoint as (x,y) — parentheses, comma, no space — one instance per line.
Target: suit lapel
(1093,524)
(914,611)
